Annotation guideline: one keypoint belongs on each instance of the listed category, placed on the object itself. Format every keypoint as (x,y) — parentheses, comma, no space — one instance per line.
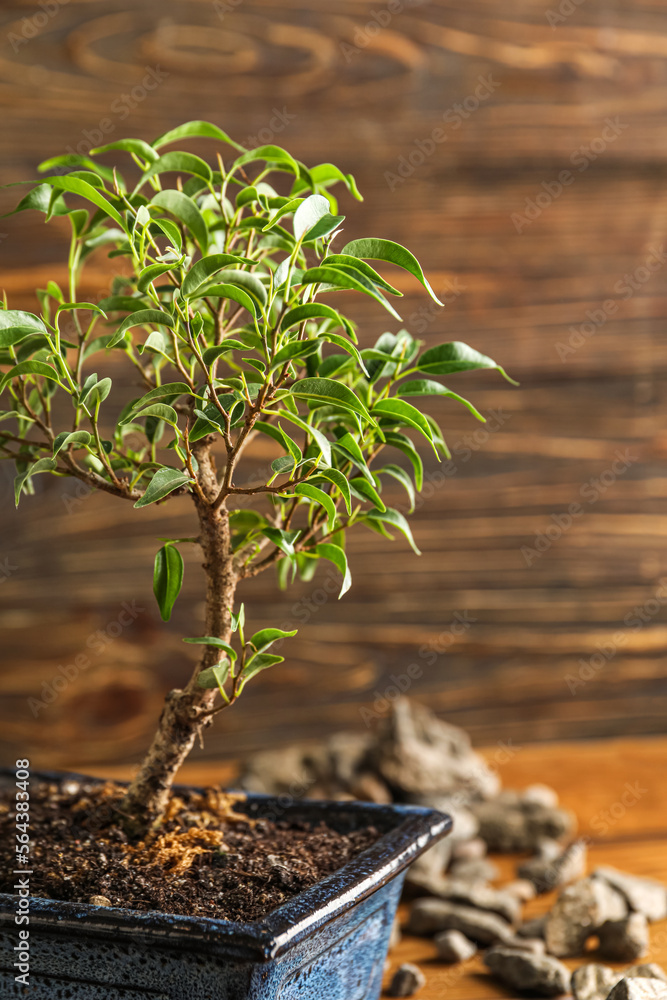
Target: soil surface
(207,860)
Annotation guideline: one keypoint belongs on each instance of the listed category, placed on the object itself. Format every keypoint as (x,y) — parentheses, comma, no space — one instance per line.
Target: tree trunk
(183,719)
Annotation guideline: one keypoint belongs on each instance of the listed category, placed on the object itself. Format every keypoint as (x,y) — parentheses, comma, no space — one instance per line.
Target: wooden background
(364,94)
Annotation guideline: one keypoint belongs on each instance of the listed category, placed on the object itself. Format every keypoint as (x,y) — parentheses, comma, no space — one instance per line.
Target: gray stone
(429,916)
(639,988)
(593,981)
(533,928)
(578,912)
(522,888)
(624,940)
(406,981)
(540,795)
(474,894)
(416,753)
(643,895)
(539,975)
(429,869)
(548,873)
(476,870)
(454,947)
(535,946)
(506,827)
(548,849)
(649,970)
(469,850)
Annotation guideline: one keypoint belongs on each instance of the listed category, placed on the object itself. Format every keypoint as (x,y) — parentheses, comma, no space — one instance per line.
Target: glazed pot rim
(407,832)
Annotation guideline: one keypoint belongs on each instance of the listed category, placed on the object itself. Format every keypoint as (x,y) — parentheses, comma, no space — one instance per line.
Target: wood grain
(367,98)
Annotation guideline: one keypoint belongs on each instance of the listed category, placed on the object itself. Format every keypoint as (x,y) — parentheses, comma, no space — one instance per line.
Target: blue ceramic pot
(328,943)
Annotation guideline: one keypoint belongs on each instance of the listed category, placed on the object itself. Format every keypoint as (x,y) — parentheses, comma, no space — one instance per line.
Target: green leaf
(30,368)
(136,146)
(85,190)
(42,465)
(336,477)
(334,338)
(404,444)
(164,482)
(153,271)
(363,490)
(336,555)
(292,351)
(288,208)
(427,387)
(210,640)
(284,440)
(375,249)
(39,199)
(16,325)
(325,174)
(397,472)
(320,497)
(214,677)
(318,437)
(123,303)
(205,268)
(348,278)
(184,208)
(238,620)
(267,636)
(141,318)
(167,579)
(404,413)
(286,463)
(312,310)
(162,411)
(456,357)
(172,389)
(309,212)
(68,438)
(284,540)
(327,390)
(396,519)
(360,265)
(176,162)
(249,282)
(99,392)
(260,662)
(195,129)
(273,155)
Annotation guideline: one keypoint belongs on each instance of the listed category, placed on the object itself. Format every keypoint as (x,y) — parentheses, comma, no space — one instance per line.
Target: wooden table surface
(616,788)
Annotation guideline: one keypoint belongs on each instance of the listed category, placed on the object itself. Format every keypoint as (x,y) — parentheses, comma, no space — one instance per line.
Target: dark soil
(208,859)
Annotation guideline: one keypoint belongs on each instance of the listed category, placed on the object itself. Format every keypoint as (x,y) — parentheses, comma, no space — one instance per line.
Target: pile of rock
(413,757)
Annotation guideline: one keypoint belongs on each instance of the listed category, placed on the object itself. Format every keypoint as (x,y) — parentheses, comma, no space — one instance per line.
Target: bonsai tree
(218,312)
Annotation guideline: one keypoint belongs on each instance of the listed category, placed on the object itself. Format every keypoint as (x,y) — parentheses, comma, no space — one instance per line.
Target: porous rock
(643,895)
(624,940)
(578,912)
(638,988)
(540,795)
(535,946)
(593,982)
(429,916)
(648,970)
(521,888)
(547,873)
(533,928)
(469,850)
(509,826)
(406,981)
(454,947)
(477,870)
(539,975)
(416,753)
